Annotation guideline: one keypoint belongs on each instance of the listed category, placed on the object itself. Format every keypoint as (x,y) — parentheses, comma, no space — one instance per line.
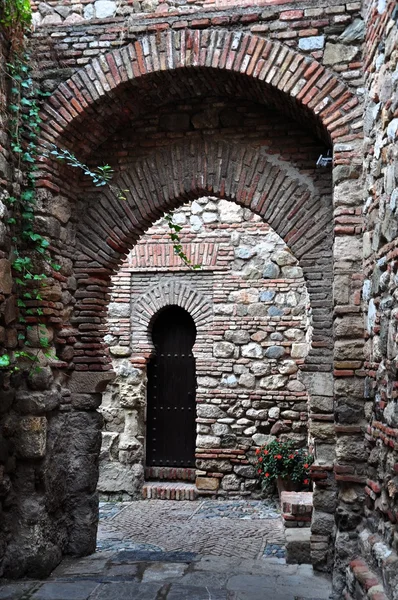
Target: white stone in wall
(119,309)
(284,259)
(208,441)
(273,382)
(252,350)
(179,218)
(196,208)
(260,368)
(299,350)
(247,296)
(196,223)
(209,411)
(104,8)
(223,350)
(230,212)
(207,382)
(287,367)
(294,334)
(274,412)
(261,439)
(209,217)
(223,309)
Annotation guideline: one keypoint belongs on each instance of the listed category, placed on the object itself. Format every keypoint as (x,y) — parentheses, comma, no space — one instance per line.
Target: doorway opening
(171,428)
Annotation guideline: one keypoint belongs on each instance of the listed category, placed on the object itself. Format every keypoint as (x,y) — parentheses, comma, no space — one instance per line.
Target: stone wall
(379,536)
(251,310)
(8,334)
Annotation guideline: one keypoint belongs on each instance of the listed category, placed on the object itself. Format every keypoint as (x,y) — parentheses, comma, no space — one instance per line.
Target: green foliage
(24,130)
(280,459)
(15,19)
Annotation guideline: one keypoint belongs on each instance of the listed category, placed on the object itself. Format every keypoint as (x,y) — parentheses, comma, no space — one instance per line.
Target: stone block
(31,437)
(81,382)
(207,483)
(339,53)
(298,545)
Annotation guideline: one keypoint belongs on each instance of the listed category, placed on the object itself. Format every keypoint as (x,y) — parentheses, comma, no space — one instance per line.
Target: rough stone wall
(8,334)
(252,335)
(380,251)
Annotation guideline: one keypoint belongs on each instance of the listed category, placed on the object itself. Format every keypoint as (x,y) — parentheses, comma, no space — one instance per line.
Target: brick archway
(286,199)
(81,114)
(160,296)
(91,98)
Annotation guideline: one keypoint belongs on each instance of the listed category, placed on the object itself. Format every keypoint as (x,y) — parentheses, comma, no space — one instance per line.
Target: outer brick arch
(303,85)
(285,198)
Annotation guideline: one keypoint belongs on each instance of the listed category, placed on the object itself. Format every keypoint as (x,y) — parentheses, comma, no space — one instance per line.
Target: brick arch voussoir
(160,296)
(301,78)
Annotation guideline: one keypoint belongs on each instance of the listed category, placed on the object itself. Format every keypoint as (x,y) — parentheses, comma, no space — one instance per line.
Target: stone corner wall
(380,287)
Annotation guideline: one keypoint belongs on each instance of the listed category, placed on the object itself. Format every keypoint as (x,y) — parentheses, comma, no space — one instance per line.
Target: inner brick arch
(286,199)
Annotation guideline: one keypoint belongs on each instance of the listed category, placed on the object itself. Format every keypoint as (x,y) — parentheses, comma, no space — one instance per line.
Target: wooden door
(171,410)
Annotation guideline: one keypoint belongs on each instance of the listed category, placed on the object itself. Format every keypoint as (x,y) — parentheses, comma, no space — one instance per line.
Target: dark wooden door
(171,413)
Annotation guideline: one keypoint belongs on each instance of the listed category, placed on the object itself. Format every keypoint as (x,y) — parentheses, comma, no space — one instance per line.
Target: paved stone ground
(223,528)
(157,550)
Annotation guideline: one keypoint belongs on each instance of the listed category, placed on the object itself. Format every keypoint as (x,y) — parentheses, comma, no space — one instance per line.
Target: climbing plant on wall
(29,248)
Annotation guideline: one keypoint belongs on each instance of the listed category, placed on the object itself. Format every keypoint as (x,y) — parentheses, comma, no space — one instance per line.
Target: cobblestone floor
(162,550)
(228,528)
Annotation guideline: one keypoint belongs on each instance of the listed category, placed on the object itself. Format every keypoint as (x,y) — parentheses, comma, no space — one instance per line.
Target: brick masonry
(137,89)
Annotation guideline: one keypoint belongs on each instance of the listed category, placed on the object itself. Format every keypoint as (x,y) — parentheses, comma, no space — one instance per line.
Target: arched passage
(98,101)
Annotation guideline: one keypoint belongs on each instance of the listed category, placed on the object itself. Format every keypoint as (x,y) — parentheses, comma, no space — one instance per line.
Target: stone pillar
(350,463)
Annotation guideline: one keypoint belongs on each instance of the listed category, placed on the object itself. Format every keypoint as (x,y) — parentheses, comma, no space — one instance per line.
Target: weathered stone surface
(31,437)
(252,350)
(223,350)
(337,53)
(273,382)
(5,276)
(207,483)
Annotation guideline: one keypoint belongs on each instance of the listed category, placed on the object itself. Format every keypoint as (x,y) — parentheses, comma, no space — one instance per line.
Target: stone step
(170,473)
(296,509)
(298,546)
(169,490)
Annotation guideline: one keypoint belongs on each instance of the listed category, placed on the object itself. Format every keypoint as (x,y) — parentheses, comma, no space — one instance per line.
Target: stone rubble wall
(8,310)
(68,37)
(380,287)
(252,334)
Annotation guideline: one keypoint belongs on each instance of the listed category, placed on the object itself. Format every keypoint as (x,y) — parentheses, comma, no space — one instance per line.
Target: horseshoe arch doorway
(171,391)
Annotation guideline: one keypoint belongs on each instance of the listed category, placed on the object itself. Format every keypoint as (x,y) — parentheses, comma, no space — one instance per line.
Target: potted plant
(280,463)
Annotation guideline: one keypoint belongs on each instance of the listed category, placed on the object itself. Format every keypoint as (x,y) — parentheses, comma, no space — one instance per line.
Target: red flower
(306,481)
(306,466)
(266,452)
(278,456)
(291,455)
(260,459)
(267,474)
(259,471)
(258,451)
